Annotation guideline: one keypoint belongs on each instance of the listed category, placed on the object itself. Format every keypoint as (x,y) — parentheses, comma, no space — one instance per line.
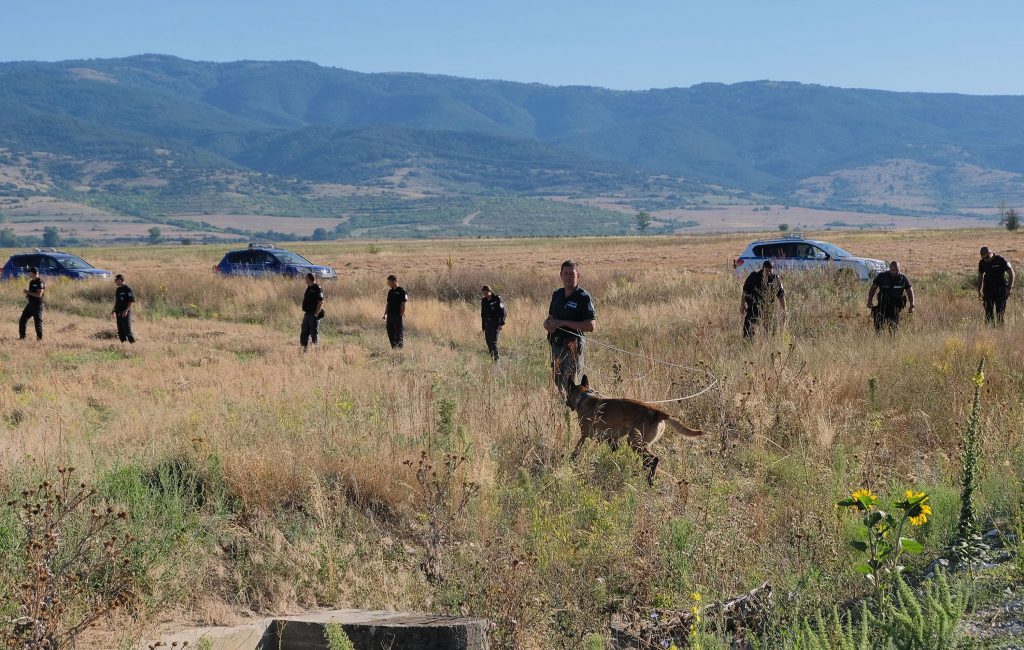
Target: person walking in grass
(570,315)
(312,312)
(34,307)
(894,293)
(492,318)
(995,282)
(124,300)
(760,290)
(394,313)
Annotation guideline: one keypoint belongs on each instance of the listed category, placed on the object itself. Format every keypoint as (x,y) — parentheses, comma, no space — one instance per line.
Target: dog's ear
(584,383)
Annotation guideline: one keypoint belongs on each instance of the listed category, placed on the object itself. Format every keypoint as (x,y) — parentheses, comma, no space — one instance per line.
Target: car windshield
(288,257)
(832,249)
(72,263)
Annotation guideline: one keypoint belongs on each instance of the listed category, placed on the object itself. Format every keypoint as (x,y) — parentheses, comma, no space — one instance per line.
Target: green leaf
(847,503)
(910,545)
(863,568)
(860,546)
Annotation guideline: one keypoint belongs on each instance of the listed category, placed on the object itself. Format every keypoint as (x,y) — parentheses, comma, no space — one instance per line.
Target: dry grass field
(258,479)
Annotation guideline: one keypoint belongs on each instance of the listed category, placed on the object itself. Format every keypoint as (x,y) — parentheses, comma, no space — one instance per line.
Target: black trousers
(124,328)
(396,330)
(33,310)
(491,332)
(310,329)
(886,315)
(751,318)
(995,306)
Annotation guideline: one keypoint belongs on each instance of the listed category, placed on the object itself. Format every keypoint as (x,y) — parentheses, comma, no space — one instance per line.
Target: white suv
(796,254)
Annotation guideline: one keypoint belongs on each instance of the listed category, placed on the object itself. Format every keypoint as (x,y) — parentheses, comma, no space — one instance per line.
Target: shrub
(968,546)
(336,638)
(76,564)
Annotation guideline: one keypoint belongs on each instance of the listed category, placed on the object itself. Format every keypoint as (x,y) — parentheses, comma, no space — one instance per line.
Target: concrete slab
(367,629)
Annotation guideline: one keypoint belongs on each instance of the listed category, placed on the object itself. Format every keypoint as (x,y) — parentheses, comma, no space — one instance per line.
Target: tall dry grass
(297,491)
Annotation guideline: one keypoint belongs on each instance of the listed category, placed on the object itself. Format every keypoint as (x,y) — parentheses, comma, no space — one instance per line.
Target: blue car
(53,264)
(266,259)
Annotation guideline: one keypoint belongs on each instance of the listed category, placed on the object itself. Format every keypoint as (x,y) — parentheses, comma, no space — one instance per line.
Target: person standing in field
(394,313)
(995,282)
(492,318)
(34,307)
(312,312)
(760,290)
(891,287)
(124,300)
(570,315)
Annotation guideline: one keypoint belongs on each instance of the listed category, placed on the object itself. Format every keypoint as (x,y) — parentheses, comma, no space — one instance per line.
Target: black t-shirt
(995,270)
(891,288)
(123,298)
(577,306)
(492,309)
(396,297)
(757,287)
(314,294)
(33,286)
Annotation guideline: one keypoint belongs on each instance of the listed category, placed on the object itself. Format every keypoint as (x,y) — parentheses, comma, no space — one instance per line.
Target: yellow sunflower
(922,517)
(866,495)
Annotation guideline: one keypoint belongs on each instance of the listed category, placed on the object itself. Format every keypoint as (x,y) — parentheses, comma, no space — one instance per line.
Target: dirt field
(918,251)
(746,218)
(30,216)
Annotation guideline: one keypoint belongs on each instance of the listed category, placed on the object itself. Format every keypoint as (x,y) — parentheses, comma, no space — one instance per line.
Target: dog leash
(705,371)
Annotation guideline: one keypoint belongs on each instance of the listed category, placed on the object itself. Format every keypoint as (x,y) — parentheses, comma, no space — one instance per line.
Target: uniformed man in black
(34,308)
(894,292)
(124,300)
(760,290)
(492,318)
(394,312)
(570,315)
(995,282)
(312,312)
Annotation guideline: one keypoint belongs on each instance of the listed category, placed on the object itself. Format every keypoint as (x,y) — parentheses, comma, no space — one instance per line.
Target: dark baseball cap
(767,264)
(486,287)
(32,269)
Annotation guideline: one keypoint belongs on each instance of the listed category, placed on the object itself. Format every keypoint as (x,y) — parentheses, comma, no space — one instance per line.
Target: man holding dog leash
(570,315)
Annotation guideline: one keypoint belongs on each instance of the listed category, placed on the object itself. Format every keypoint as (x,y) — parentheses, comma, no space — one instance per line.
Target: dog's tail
(681,427)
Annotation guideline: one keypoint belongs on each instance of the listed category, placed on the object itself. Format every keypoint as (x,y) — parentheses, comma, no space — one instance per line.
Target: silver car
(797,254)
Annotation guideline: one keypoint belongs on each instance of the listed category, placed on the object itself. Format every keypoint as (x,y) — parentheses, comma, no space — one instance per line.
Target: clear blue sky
(937,45)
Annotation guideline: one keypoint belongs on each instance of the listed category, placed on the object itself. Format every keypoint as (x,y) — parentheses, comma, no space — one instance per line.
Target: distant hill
(167,119)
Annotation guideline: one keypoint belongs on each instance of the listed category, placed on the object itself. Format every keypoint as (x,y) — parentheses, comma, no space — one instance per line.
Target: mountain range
(159,135)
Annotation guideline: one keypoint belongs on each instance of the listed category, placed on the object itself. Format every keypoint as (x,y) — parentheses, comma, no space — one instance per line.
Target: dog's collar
(579,399)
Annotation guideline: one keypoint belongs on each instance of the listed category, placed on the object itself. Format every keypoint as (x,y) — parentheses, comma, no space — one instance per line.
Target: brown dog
(608,419)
